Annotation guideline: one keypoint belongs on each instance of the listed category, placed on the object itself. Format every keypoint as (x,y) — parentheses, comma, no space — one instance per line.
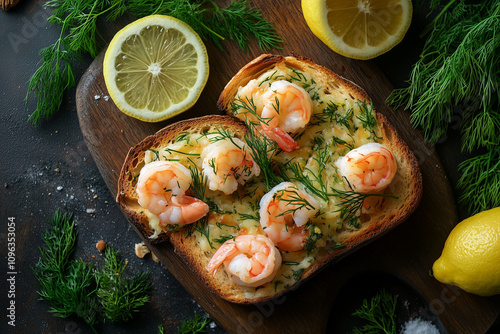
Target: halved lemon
(155,68)
(360,29)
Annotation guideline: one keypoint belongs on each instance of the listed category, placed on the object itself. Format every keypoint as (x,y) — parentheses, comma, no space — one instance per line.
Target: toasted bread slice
(231,215)
(137,157)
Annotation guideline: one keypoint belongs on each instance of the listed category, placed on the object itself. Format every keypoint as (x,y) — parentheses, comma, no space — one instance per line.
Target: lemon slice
(155,68)
(360,29)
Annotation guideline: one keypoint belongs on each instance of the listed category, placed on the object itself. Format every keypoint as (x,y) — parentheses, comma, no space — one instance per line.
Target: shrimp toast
(312,168)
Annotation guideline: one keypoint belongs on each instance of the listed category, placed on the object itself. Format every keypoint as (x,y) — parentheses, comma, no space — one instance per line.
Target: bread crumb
(101,245)
(141,250)
(155,258)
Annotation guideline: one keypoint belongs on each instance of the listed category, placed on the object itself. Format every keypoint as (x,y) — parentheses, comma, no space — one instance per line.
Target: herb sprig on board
(455,82)
(73,287)
(238,21)
(79,35)
(378,313)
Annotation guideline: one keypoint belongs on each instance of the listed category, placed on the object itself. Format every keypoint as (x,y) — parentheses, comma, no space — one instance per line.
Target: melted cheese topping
(338,124)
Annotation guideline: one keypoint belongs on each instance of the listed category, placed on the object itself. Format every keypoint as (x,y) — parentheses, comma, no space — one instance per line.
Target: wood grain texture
(407,252)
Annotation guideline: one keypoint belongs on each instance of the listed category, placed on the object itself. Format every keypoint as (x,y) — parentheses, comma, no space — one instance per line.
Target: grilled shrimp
(284,212)
(287,109)
(368,168)
(161,188)
(227,163)
(250,260)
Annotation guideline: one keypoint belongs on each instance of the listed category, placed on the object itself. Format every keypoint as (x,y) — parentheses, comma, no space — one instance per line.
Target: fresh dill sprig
(262,149)
(55,75)
(120,297)
(480,180)
(455,84)
(367,119)
(457,75)
(238,21)
(51,79)
(199,184)
(378,313)
(311,180)
(293,200)
(79,34)
(197,324)
(68,285)
(73,287)
(351,204)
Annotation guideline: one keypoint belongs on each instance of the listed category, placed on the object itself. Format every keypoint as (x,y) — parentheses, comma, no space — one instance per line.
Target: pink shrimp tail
(192,208)
(222,254)
(283,139)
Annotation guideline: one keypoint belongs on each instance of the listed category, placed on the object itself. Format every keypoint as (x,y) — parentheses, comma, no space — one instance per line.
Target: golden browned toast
(312,184)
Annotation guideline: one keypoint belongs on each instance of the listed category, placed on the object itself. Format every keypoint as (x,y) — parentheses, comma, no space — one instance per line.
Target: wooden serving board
(406,253)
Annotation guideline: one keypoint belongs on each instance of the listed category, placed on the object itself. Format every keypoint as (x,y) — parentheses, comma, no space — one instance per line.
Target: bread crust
(409,186)
(126,197)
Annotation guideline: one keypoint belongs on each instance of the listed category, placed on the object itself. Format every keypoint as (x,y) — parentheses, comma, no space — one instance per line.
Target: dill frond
(68,285)
(195,325)
(479,182)
(351,204)
(454,84)
(379,314)
(73,287)
(121,297)
(238,21)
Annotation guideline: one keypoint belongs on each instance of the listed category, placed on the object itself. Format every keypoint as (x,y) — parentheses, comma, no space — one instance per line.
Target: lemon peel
(155,68)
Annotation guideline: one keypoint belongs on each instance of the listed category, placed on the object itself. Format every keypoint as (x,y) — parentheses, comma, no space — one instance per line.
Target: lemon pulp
(360,29)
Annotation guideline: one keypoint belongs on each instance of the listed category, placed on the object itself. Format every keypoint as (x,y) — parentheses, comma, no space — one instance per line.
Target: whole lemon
(471,255)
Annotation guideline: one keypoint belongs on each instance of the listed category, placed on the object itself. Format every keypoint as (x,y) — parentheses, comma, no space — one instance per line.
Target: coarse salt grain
(419,326)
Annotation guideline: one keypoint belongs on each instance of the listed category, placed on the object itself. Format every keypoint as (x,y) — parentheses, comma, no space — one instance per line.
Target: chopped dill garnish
(223,238)
(351,204)
(183,136)
(314,235)
(171,151)
(247,216)
(297,274)
(262,149)
(367,119)
(293,199)
(156,153)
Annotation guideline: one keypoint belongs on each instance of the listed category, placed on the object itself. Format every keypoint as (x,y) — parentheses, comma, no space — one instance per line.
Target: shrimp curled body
(226,164)
(284,212)
(287,109)
(249,260)
(161,189)
(368,169)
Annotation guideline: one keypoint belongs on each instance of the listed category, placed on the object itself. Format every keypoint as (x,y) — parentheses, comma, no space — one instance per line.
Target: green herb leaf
(120,297)
(378,313)
(72,287)
(68,285)
(195,325)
